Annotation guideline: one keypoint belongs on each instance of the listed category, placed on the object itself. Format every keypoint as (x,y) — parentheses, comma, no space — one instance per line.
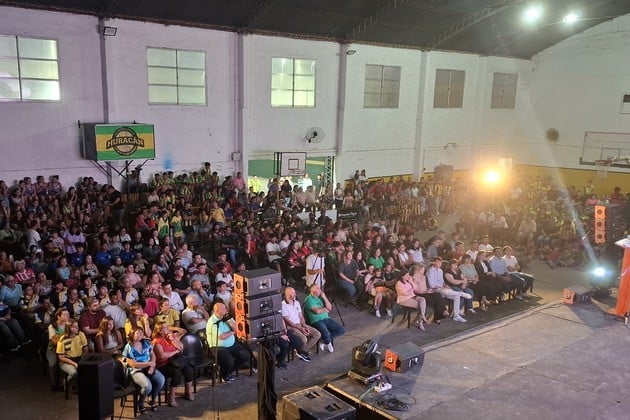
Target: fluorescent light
(533,14)
(571,17)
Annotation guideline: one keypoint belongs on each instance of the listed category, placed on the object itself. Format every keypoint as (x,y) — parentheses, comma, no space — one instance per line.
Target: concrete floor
(534,360)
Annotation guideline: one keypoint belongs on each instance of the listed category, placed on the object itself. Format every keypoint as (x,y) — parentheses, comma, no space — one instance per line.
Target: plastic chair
(194,352)
(123,386)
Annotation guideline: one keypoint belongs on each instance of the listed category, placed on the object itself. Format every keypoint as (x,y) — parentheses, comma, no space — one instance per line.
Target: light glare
(533,14)
(571,18)
(492,177)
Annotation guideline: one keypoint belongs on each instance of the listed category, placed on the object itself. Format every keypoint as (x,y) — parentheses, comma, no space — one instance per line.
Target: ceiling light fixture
(533,14)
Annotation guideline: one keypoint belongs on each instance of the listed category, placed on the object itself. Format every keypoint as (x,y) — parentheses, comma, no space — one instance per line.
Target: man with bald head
(221,334)
(296,324)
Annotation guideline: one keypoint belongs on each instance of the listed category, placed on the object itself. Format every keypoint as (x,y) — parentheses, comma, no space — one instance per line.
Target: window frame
(293,89)
(177,69)
(20,78)
(381,80)
(502,97)
(452,102)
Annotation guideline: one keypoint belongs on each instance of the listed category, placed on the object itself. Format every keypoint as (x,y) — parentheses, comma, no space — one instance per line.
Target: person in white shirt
(296,324)
(194,317)
(435,280)
(174,298)
(514,269)
(415,252)
(315,268)
(485,245)
(113,309)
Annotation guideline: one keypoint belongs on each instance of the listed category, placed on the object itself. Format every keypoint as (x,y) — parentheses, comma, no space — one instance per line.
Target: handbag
(178,361)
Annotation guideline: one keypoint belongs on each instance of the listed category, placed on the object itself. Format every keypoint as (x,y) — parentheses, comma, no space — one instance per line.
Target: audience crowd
(89,269)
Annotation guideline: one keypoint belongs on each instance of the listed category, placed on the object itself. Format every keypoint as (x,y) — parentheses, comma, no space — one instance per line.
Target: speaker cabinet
(263,281)
(96,386)
(315,403)
(258,306)
(403,357)
(247,329)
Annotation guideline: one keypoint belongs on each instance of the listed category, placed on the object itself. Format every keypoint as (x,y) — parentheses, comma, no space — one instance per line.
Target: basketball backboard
(600,145)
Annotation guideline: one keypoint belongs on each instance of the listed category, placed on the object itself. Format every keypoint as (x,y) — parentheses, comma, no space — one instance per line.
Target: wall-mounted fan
(314,135)
(552,134)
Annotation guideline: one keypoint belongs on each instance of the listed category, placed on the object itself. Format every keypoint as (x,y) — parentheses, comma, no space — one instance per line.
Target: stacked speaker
(600,224)
(257,303)
(609,223)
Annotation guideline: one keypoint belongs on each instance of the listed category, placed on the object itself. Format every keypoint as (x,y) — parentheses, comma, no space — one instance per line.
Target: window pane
(280,98)
(281,65)
(162,94)
(373,86)
(8,67)
(40,90)
(192,78)
(161,57)
(9,89)
(8,46)
(391,87)
(304,83)
(38,69)
(371,100)
(191,59)
(281,81)
(391,73)
(306,67)
(37,48)
(162,76)
(390,101)
(373,72)
(304,99)
(442,76)
(192,95)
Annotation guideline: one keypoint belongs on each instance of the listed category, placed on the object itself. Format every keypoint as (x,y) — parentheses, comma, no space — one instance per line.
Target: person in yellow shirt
(70,348)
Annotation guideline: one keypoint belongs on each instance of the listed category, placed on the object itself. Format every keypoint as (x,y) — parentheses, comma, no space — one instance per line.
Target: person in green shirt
(316,308)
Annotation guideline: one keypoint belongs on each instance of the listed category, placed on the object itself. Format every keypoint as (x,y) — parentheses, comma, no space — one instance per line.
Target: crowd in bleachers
(84,270)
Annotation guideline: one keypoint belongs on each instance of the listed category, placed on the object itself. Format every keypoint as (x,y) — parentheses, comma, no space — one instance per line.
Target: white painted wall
(577,86)
(186,136)
(381,141)
(43,137)
(267,130)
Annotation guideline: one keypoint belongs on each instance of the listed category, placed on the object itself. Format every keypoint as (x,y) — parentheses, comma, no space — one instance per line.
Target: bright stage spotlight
(492,177)
(599,271)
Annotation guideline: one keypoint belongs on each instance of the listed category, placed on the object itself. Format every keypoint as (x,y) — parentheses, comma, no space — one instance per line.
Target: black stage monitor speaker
(315,404)
(96,386)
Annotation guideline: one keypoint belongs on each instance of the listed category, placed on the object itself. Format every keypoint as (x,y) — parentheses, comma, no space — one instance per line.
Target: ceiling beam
(473,19)
(370,21)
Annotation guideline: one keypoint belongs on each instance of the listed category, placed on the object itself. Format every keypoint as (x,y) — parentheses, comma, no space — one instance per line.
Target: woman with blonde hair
(108,339)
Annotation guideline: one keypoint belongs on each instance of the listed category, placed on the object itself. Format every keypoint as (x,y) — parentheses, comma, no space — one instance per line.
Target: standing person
(297,326)
(316,268)
(70,348)
(140,358)
(221,336)
(116,205)
(168,350)
(316,307)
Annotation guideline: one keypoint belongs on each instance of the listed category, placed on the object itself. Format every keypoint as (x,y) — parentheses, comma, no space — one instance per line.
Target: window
(292,83)
(29,69)
(504,90)
(176,77)
(382,86)
(449,88)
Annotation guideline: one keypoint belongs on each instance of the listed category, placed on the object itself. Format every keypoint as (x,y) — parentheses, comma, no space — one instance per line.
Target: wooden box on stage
(575,294)
(315,404)
(403,357)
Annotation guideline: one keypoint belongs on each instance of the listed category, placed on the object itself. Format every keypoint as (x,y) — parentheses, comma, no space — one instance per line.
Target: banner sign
(104,142)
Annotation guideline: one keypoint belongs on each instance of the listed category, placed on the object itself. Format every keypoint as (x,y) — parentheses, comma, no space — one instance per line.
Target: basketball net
(602,168)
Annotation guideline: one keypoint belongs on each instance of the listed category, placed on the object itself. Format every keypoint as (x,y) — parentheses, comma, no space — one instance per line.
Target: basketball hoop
(602,168)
